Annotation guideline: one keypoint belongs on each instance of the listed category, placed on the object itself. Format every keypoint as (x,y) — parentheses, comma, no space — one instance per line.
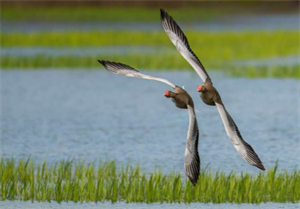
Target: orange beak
(199,88)
(167,93)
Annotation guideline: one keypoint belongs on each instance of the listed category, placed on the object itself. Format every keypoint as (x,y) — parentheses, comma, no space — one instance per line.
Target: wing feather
(181,43)
(191,158)
(243,148)
(126,70)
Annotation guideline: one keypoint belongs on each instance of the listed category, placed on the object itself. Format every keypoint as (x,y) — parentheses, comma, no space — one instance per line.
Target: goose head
(201,88)
(180,97)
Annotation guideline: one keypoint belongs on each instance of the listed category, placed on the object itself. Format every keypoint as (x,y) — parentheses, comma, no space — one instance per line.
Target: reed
(104,14)
(216,50)
(148,62)
(214,45)
(265,71)
(81,182)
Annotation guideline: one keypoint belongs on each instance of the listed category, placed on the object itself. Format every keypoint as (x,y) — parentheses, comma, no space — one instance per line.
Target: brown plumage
(209,94)
(180,98)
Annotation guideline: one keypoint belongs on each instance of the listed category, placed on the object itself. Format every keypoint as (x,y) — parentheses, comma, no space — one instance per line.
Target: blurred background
(248,38)
(57,102)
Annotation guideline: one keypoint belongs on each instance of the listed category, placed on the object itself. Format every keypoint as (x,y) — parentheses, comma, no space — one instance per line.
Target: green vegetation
(207,45)
(148,62)
(217,50)
(103,14)
(139,61)
(137,12)
(264,71)
(79,182)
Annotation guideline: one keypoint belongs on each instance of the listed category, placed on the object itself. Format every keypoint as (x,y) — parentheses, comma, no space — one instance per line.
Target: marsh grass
(216,50)
(148,62)
(104,14)
(81,182)
(214,45)
(265,71)
(137,12)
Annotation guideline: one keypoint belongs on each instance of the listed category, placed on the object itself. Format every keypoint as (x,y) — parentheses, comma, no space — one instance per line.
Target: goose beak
(167,93)
(199,88)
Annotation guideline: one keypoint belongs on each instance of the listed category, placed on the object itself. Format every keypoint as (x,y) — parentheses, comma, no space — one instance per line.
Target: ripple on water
(53,115)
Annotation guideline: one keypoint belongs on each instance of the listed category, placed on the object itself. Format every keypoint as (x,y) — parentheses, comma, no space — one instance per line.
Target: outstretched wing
(122,69)
(243,148)
(191,157)
(182,45)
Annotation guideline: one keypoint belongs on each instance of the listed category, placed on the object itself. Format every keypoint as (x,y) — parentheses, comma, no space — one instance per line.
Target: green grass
(139,61)
(213,45)
(209,46)
(264,71)
(216,50)
(148,62)
(104,14)
(138,12)
(81,182)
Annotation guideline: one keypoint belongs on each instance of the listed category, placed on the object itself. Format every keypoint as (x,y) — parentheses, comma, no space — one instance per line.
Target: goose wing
(122,69)
(233,133)
(181,43)
(191,157)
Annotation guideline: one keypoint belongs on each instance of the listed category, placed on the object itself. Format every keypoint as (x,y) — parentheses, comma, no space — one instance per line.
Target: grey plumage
(191,157)
(251,157)
(181,43)
(243,148)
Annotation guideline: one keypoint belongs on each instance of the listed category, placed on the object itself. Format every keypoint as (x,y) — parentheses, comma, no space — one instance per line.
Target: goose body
(207,91)
(181,100)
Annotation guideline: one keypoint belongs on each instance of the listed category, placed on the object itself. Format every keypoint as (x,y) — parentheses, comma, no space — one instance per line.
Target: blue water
(91,115)
(84,51)
(54,205)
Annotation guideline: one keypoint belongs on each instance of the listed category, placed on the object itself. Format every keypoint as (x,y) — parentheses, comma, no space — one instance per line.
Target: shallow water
(53,205)
(91,115)
(230,23)
(83,51)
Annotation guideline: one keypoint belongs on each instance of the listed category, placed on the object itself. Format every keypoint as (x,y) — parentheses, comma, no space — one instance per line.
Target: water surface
(54,205)
(64,114)
(83,51)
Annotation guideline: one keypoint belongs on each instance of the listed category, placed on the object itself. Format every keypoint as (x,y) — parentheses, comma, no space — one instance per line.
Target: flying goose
(207,91)
(182,100)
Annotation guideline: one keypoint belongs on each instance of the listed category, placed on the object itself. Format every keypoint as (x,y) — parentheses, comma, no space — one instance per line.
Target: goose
(207,91)
(182,100)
